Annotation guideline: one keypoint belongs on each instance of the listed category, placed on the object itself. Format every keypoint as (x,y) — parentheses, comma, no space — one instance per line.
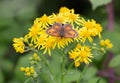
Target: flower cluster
(35,59)
(19,45)
(29,71)
(106,43)
(81,54)
(37,38)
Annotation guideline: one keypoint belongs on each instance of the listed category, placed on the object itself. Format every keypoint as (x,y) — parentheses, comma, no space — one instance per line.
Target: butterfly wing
(69,32)
(55,30)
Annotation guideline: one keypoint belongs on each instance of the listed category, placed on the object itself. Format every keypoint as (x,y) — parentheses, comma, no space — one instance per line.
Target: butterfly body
(63,31)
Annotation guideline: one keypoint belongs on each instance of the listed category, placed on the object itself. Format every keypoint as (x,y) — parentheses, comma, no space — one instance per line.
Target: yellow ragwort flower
(85,34)
(74,18)
(62,42)
(89,30)
(49,44)
(81,54)
(34,31)
(19,45)
(44,21)
(59,18)
(64,10)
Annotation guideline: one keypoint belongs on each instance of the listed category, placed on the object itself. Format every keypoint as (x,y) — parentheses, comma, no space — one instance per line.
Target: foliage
(95,3)
(16,16)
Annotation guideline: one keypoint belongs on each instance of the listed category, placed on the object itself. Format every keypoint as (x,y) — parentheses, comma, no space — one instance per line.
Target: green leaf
(23,62)
(95,80)
(97,3)
(98,81)
(89,75)
(71,76)
(115,61)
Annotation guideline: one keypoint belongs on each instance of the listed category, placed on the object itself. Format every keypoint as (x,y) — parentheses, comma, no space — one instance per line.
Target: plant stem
(110,11)
(49,69)
(70,65)
(63,67)
(27,80)
(83,72)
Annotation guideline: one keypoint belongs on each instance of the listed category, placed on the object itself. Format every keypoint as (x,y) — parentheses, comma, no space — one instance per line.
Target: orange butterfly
(63,31)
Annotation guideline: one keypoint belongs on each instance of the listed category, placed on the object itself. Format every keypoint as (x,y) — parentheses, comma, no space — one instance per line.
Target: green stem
(27,80)
(63,67)
(70,66)
(47,65)
(83,72)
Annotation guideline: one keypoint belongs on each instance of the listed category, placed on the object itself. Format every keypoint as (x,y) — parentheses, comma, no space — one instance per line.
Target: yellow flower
(59,18)
(81,54)
(98,30)
(110,45)
(28,74)
(19,45)
(49,44)
(22,69)
(64,10)
(38,38)
(106,43)
(32,70)
(74,18)
(29,71)
(93,27)
(44,21)
(62,42)
(90,29)
(85,34)
(34,31)
(36,57)
(77,63)
(102,43)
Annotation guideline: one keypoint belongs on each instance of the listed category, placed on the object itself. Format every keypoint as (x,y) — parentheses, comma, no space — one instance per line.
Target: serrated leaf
(115,61)
(97,3)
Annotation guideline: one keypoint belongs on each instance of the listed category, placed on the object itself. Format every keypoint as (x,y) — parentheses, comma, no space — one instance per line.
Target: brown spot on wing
(52,32)
(57,26)
(70,34)
(67,27)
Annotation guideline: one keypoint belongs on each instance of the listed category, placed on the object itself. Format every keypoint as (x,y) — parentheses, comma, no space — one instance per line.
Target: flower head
(19,45)
(44,21)
(59,31)
(81,54)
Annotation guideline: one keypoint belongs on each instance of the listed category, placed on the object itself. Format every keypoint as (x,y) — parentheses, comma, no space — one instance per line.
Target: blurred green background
(16,16)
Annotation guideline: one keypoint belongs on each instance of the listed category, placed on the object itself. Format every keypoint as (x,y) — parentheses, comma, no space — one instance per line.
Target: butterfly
(63,31)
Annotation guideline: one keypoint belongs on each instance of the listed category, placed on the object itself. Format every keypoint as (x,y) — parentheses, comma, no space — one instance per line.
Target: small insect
(63,31)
